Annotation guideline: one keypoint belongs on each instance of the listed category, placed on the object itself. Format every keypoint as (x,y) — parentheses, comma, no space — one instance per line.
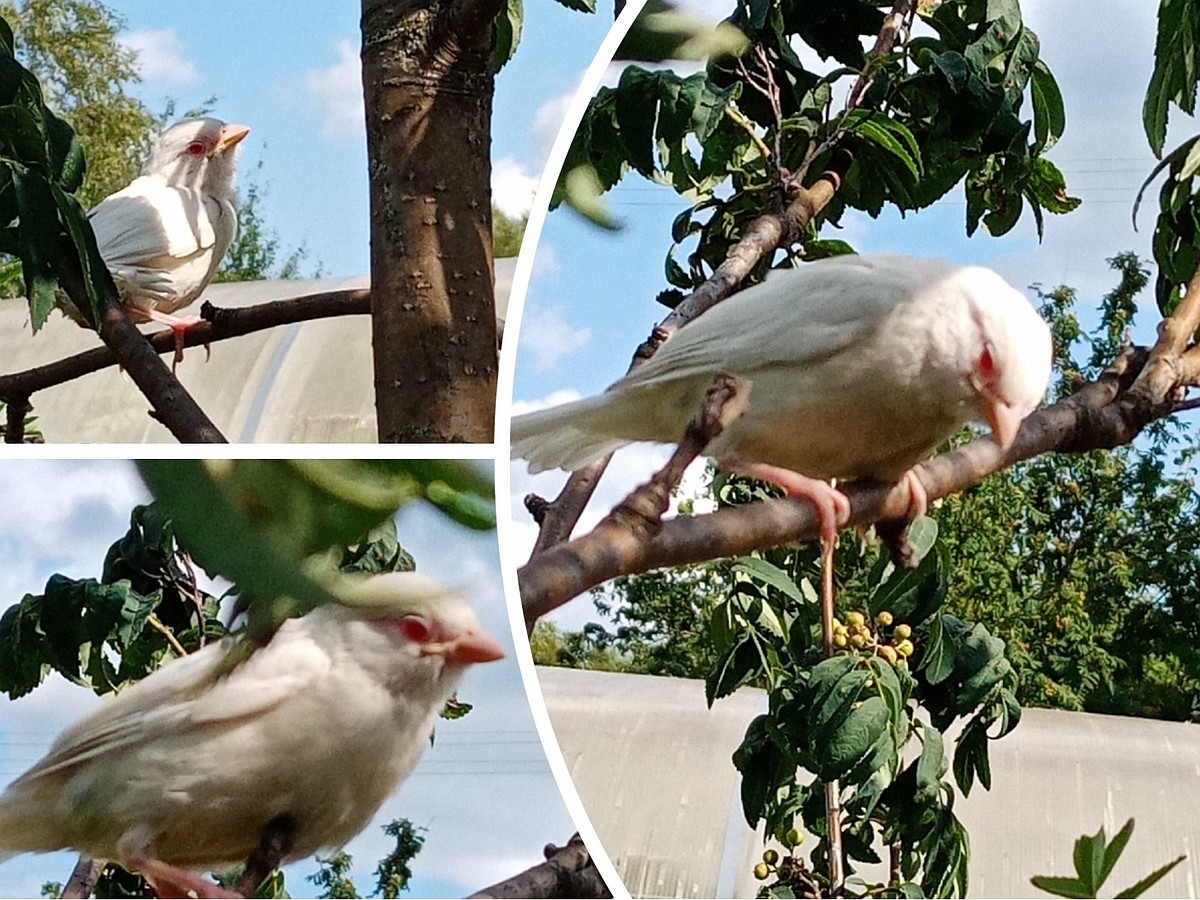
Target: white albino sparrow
(182,771)
(859,367)
(164,235)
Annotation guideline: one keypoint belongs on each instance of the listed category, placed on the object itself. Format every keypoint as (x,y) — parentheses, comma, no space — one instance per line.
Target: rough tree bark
(428,84)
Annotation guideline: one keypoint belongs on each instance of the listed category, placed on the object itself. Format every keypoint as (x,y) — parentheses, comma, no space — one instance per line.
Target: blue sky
(290,71)
(584,314)
(484,791)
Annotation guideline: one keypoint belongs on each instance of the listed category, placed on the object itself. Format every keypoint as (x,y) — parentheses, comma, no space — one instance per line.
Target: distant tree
(507,233)
(72,48)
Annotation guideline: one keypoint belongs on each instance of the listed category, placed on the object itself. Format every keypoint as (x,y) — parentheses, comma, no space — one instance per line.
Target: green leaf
(1150,880)
(1113,852)
(740,663)
(1089,860)
(771,575)
(588,6)
(855,735)
(834,685)
(1049,114)
(217,526)
(931,765)
(39,242)
(91,263)
(508,33)
(1060,886)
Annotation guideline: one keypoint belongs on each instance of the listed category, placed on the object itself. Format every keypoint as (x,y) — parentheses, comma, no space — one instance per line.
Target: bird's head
(197,153)
(433,630)
(1010,353)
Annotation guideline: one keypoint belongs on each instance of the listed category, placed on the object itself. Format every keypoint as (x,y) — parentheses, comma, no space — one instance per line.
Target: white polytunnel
(652,766)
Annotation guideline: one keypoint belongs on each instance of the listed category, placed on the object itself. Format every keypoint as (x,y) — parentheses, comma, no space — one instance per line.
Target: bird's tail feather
(570,436)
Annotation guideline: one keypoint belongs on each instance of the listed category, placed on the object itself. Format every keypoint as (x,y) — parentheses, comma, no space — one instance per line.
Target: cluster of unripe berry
(856,633)
(770,858)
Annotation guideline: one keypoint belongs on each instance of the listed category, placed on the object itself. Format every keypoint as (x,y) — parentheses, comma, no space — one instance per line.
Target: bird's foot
(833,507)
(172,881)
(179,326)
(894,532)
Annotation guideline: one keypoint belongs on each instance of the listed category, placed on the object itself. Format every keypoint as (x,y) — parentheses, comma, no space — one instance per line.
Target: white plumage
(184,769)
(164,235)
(859,367)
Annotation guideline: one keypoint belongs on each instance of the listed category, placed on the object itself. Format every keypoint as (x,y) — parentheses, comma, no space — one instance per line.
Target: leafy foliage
(1175,68)
(71,47)
(1094,859)
(281,519)
(42,167)
(850,717)
(941,109)
(507,234)
(104,634)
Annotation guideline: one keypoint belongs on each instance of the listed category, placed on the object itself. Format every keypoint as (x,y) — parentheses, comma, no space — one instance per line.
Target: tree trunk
(428,84)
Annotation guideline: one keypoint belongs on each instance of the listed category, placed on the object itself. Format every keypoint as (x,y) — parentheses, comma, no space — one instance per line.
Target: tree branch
(567,872)
(273,846)
(1103,414)
(223,324)
(83,878)
(173,406)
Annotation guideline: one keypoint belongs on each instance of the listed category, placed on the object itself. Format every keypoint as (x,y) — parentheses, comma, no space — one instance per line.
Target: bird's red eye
(987,365)
(195,148)
(415,629)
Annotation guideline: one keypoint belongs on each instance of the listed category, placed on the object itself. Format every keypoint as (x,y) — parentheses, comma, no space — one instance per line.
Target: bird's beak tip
(1005,421)
(473,647)
(231,136)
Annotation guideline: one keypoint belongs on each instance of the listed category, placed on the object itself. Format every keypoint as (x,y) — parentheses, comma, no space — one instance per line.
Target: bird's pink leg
(172,881)
(833,507)
(179,326)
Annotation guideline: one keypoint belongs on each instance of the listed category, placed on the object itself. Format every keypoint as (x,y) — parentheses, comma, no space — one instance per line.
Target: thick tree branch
(83,878)
(223,324)
(1102,414)
(173,406)
(567,872)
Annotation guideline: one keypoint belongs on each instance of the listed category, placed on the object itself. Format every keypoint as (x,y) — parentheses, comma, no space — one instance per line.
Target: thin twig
(833,790)
(154,622)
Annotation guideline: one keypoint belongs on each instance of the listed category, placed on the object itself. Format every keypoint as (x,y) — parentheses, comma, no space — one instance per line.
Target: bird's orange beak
(468,647)
(230,137)
(1003,418)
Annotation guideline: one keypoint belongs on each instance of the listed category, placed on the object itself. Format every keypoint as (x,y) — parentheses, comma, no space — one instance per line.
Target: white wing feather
(150,220)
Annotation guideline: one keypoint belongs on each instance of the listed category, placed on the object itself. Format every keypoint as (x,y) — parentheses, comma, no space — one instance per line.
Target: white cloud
(337,92)
(546,124)
(512,188)
(548,337)
(160,57)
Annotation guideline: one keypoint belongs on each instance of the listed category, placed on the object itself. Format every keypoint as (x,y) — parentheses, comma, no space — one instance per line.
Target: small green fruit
(793,837)
(770,857)
(883,619)
(905,648)
(855,618)
(761,872)
(903,632)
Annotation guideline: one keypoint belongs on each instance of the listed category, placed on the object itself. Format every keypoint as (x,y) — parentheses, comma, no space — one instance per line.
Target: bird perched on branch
(164,235)
(185,769)
(859,367)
